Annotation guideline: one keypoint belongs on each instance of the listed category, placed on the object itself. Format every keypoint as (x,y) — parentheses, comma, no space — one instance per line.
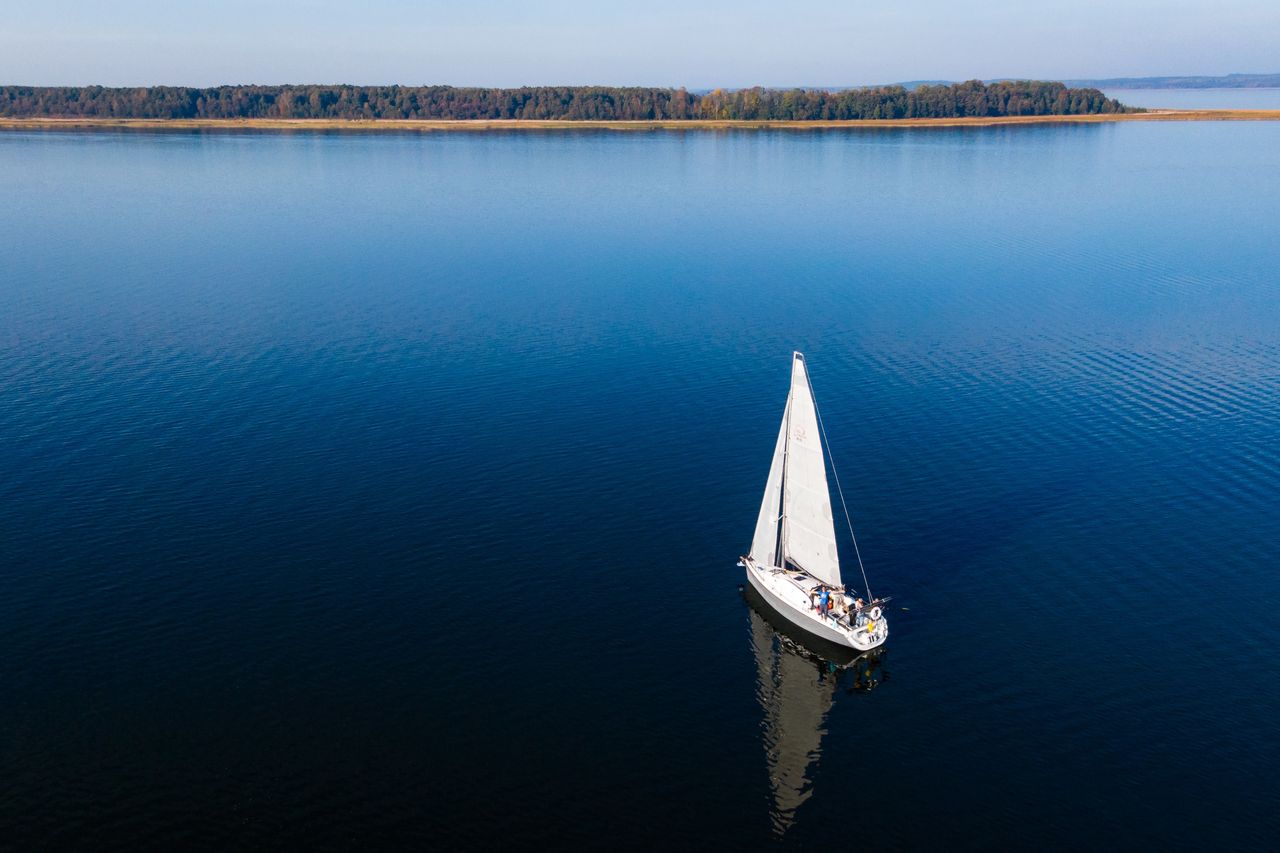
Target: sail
(809,535)
(765,542)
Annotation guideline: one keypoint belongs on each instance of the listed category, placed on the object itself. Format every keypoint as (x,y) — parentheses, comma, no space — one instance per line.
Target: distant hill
(912,85)
(555,103)
(1227,81)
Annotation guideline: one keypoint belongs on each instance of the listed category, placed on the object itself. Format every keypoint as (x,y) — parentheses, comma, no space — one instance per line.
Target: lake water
(387,489)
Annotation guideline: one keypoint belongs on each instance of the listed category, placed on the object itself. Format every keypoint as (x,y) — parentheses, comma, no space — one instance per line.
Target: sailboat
(793,562)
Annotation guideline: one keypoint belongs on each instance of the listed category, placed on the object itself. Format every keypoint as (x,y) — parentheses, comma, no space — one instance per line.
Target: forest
(567,103)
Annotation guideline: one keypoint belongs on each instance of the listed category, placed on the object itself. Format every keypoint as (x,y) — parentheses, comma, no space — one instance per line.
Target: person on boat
(824,601)
(858,604)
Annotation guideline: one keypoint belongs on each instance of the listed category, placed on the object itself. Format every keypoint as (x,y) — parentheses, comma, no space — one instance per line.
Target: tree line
(568,103)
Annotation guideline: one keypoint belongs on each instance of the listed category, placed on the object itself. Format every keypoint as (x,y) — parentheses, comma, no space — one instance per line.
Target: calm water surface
(367,489)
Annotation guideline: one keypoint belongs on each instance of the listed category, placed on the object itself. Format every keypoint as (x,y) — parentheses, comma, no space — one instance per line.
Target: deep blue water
(368,489)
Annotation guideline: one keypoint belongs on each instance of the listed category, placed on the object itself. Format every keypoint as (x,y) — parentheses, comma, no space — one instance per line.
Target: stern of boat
(870,630)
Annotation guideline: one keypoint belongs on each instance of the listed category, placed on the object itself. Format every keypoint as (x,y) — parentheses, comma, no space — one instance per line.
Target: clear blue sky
(695,43)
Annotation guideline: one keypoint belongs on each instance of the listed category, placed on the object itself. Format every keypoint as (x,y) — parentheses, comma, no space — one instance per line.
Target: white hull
(792,603)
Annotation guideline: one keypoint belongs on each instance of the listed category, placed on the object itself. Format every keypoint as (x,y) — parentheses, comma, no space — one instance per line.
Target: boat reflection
(796,685)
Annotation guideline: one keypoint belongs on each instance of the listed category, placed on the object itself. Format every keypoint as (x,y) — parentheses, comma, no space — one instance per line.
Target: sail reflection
(796,685)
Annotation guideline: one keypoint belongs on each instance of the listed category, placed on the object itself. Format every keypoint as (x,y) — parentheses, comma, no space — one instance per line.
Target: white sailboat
(793,561)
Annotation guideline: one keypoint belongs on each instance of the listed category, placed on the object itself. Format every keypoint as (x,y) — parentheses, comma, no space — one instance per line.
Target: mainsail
(809,533)
(796,492)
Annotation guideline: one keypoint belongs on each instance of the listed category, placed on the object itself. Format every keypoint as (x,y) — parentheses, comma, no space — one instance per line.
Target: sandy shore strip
(432,125)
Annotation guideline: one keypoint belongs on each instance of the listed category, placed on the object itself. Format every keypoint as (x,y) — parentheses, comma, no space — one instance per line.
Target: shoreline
(435,125)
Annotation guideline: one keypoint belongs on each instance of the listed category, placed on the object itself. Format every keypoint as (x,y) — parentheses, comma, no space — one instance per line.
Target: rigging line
(836,474)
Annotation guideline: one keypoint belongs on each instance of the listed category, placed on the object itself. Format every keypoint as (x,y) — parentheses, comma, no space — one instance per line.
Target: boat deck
(793,589)
(810,586)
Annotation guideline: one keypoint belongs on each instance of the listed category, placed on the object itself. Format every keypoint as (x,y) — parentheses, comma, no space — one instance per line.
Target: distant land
(973,99)
(1227,81)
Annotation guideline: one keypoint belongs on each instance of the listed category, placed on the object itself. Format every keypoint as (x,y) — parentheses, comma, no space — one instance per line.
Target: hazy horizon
(661,43)
(692,89)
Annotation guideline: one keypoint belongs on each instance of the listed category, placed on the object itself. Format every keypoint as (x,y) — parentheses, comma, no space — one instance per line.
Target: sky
(693,43)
